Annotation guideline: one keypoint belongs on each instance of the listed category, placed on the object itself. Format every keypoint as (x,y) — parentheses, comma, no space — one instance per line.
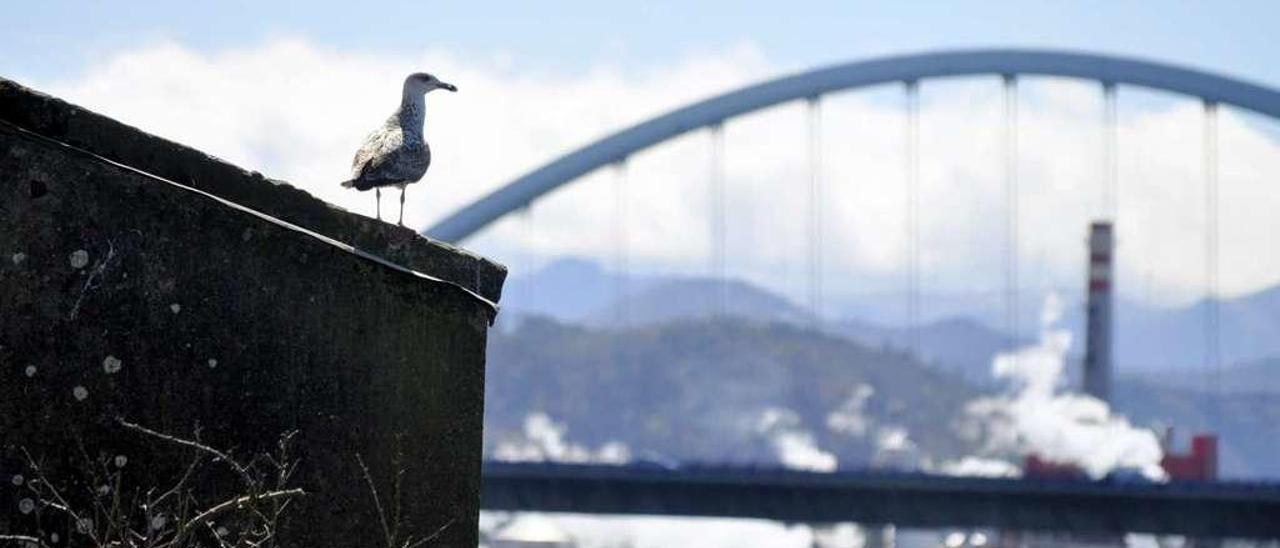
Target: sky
(59,36)
(290,88)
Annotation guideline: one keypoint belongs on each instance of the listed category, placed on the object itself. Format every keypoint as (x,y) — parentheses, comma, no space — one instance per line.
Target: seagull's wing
(405,164)
(375,152)
(387,159)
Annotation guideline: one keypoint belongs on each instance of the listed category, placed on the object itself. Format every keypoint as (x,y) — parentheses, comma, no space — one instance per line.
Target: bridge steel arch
(618,146)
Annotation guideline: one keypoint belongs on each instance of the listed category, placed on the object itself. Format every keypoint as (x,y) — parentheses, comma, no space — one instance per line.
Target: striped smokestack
(1097,354)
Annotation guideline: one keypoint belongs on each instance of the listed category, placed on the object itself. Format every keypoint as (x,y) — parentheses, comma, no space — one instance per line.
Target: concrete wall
(231,320)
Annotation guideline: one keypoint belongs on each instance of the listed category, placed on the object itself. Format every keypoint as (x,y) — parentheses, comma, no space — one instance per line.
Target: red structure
(1036,467)
(1201,464)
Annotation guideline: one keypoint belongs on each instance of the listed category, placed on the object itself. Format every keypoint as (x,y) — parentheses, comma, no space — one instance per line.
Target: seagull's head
(421,82)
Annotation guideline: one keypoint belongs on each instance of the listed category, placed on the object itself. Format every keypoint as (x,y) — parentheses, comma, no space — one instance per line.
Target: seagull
(396,154)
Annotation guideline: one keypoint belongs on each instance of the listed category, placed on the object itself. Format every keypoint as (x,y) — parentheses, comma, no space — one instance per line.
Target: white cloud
(297,111)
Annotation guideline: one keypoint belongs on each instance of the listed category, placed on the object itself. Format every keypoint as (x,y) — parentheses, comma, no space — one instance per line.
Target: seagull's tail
(358,184)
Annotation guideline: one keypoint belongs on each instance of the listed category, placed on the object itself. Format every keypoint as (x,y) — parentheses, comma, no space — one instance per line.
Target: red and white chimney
(1097,353)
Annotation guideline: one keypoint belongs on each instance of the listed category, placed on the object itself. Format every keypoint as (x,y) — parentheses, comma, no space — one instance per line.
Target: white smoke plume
(850,417)
(794,446)
(894,448)
(544,440)
(980,467)
(1038,417)
(892,444)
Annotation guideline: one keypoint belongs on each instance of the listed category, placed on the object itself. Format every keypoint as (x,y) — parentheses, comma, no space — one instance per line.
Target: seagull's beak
(449,87)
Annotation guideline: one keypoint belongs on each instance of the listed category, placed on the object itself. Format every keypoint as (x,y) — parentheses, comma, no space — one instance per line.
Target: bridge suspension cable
(621,244)
(1010,150)
(815,208)
(912,216)
(718,218)
(1110,153)
(530,257)
(1212,333)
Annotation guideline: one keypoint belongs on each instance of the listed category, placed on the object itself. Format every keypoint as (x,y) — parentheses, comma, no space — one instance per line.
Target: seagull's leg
(401,221)
(377,196)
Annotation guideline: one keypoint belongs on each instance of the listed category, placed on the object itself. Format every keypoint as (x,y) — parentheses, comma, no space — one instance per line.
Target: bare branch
(59,503)
(177,487)
(241,501)
(222,543)
(160,517)
(430,537)
(377,503)
(219,455)
(22,538)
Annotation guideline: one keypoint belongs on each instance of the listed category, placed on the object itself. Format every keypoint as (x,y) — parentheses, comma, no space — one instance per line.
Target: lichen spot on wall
(79,259)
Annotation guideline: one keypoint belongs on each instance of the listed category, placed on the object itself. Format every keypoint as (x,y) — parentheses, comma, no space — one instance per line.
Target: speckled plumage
(396,154)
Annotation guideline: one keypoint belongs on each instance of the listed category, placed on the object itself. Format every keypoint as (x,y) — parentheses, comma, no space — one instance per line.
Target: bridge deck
(1239,510)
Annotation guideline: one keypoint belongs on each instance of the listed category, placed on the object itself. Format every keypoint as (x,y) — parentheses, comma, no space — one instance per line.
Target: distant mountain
(671,299)
(567,289)
(673,380)
(1150,338)
(957,333)
(1261,377)
(962,346)
(959,345)
(986,308)
(579,291)
(698,390)
(1247,424)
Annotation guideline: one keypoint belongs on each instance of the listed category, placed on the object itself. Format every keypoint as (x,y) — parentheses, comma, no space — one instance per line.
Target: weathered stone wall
(237,323)
(82,128)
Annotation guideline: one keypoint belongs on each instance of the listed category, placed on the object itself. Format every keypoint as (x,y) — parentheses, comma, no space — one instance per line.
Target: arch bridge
(1109,70)
(1095,508)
